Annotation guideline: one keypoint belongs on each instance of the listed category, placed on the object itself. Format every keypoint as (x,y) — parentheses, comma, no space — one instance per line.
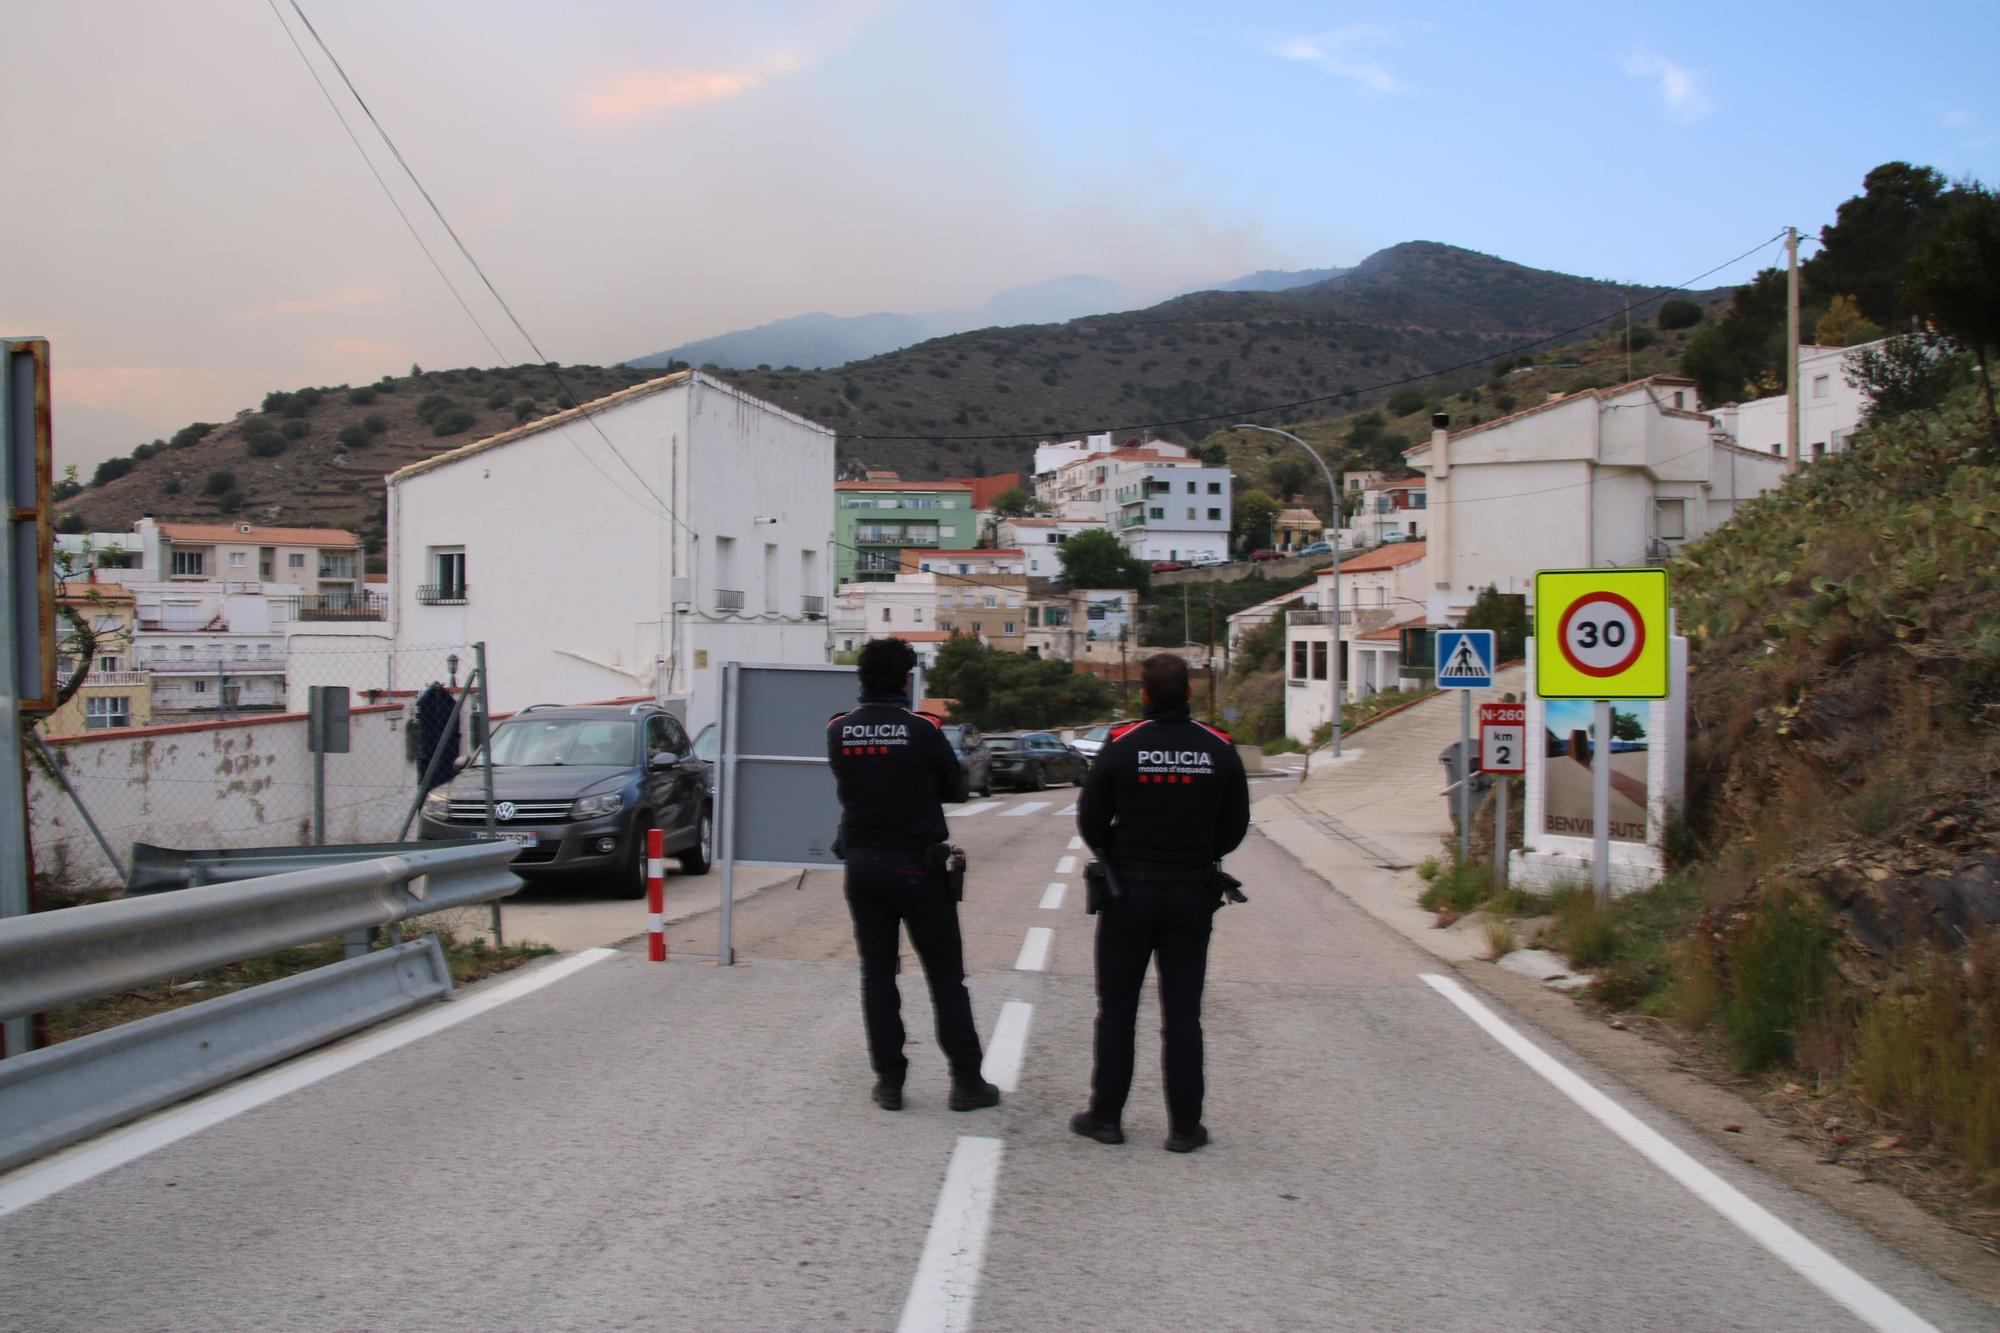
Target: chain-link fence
(232,765)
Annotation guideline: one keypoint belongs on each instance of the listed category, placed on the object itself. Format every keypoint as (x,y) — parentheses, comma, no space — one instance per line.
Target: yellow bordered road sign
(1601,634)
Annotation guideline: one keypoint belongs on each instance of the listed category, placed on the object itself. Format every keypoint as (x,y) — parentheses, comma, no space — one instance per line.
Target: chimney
(1437,551)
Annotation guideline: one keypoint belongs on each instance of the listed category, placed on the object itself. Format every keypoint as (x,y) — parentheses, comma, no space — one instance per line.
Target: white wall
(218,784)
(571,569)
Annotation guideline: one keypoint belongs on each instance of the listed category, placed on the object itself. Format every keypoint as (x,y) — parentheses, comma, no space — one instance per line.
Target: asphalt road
(688,1146)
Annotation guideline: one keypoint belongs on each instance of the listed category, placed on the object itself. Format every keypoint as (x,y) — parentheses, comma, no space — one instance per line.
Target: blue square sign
(1465,659)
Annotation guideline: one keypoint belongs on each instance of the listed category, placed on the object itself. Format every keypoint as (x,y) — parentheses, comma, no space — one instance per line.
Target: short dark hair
(885,665)
(1165,679)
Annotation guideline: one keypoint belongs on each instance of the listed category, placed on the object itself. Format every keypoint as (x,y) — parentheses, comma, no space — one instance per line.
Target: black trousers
(1172,924)
(887,890)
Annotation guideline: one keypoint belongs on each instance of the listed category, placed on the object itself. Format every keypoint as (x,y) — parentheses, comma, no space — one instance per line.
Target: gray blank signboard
(784,812)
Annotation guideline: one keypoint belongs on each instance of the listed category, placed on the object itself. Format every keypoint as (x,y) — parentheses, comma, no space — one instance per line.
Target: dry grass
(1501,937)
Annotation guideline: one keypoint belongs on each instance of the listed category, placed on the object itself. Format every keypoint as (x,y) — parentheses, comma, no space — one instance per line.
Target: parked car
(1317,548)
(973,756)
(1391,538)
(1092,742)
(1031,760)
(1207,559)
(1267,555)
(1167,566)
(578,788)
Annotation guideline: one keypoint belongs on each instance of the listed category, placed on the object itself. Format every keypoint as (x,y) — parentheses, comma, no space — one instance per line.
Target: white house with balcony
(1620,476)
(1830,408)
(1381,592)
(1040,541)
(633,545)
(1163,510)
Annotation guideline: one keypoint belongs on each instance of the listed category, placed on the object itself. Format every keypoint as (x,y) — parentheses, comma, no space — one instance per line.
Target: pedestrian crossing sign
(1465,659)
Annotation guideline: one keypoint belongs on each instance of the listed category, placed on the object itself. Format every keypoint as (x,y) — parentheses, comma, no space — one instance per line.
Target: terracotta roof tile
(1393,556)
(902,486)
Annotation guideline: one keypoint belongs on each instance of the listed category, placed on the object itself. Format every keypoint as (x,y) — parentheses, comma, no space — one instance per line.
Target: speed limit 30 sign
(1601,634)
(1503,738)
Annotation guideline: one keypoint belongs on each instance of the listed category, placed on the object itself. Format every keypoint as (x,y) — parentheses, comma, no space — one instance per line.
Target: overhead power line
(662,507)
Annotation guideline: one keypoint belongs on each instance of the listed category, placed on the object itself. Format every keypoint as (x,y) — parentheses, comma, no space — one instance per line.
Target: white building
(1079,487)
(210,646)
(696,529)
(1618,476)
(1830,409)
(1381,591)
(1163,510)
(1040,541)
(898,608)
(1053,455)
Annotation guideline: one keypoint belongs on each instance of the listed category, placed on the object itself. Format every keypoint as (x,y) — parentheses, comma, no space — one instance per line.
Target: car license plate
(525,839)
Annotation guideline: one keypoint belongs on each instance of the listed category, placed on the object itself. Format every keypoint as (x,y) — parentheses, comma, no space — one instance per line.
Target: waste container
(1457,758)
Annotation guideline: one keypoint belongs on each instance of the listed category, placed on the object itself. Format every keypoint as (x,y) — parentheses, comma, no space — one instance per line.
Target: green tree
(1912,373)
(1843,326)
(1506,614)
(1014,503)
(1869,245)
(1626,726)
(1250,518)
(1406,400)
(1003,691)
(1289,476)
(1096,559)
(1679,313)
(1954,282)
(111,469)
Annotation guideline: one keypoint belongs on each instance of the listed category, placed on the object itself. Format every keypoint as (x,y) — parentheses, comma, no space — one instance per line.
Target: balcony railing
(114,679)
(209,666)
(813,606)
(728,599)
(882,539)
(443,594)
(340,606)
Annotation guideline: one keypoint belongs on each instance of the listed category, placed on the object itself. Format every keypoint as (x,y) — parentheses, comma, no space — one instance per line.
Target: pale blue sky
(634,175)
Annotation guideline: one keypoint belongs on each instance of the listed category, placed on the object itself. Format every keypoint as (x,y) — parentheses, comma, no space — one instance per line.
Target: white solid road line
(947,1280)
(31,1184)
(1034,950)
(1076,844)
(1866,1301)
(1025,808)
(1009,1044)
(1065,865)
(1053,895)
(980,808)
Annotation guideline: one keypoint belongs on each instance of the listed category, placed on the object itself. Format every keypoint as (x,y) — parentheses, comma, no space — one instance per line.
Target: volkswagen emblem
(504,810)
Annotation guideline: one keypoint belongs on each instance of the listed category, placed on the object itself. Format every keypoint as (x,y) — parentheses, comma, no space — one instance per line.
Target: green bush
(111,469)
(525,408)
(1780,959)
(230,502)
(374,423)
(296,430)
(66,489)
(453,421)
(171,486)
(433,405)
(354,437)
(362,396)
(188,436)
(497,399)
(1406,400)
(71,523)
(266,446)
(1679,314)
(219,482)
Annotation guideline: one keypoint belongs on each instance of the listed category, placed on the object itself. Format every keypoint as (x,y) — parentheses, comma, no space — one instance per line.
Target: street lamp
(1333,491)
(451,665)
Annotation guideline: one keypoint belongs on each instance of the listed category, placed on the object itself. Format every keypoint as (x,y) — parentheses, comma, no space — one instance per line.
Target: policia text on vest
(894,770)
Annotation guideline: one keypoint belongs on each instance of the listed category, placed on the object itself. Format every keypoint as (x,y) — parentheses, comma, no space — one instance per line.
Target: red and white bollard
(656,896)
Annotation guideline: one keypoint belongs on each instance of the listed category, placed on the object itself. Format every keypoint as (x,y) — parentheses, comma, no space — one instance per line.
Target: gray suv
(578,788)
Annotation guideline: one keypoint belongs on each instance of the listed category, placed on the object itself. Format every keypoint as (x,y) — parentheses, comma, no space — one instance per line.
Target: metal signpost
(1465,663)
(27,613)
(327,731)
(1601,634)
(1503,750)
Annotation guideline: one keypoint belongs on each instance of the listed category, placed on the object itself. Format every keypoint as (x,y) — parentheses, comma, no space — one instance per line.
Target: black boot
(1088,1125)
(889,1096)
(974,1096)
(1187,1140)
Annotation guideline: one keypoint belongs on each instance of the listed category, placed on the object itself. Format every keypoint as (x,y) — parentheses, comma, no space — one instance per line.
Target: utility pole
(1212,709)
(1791,351)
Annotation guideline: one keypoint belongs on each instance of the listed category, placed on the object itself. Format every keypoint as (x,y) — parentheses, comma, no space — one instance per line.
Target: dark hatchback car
(578,788)
(1031,760)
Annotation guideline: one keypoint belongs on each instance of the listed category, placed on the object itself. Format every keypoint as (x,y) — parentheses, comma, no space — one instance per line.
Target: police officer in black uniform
(894,767)
(1165,801)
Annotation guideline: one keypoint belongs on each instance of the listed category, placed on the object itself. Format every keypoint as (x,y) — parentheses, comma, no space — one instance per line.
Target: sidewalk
(1364,822)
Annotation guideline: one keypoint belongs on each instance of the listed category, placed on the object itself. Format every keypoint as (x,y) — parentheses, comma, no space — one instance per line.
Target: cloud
(372,294)
(642,94)
(1331,51)
(1680,87)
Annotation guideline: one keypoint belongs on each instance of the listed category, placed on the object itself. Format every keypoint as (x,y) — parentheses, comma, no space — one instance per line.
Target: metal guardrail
(55,958)
(65,1092)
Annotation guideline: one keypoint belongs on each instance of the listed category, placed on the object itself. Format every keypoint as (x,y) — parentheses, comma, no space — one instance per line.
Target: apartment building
(114,695)
(324,562)
(1167,510)
(879,518)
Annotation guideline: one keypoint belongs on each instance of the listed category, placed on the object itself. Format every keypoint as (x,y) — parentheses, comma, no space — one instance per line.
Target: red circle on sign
(1622,664)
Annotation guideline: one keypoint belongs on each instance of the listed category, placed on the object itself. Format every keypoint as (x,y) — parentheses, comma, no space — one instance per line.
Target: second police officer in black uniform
(1165,801)
(894,768)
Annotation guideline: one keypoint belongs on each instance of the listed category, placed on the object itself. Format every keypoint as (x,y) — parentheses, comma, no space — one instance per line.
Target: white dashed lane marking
(947,1277)
(1002,1066)
(1066,865)
(1026,808)
(1053,895)
(1076,844)
(1034,950)
(978,809)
